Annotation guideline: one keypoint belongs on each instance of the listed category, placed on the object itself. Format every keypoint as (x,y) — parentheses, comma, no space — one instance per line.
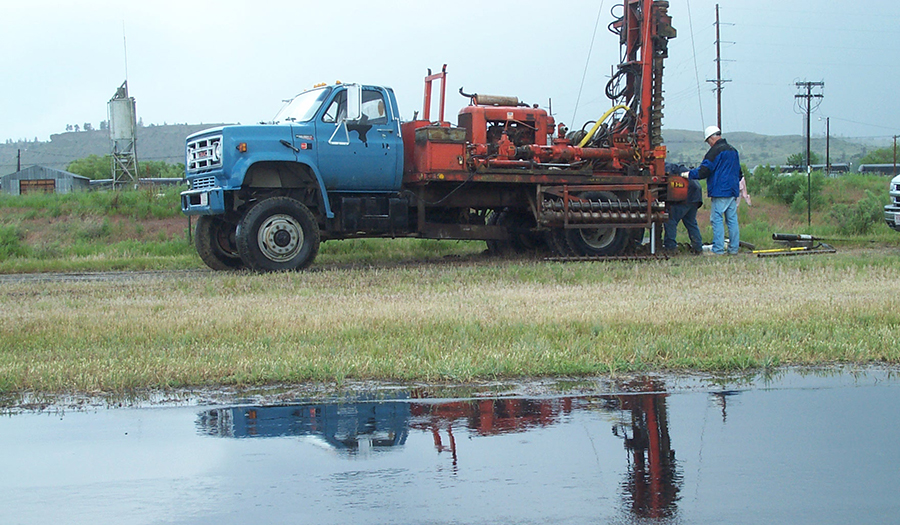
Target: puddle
(799,448)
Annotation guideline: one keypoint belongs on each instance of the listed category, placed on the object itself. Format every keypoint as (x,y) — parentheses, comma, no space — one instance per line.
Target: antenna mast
(125,50)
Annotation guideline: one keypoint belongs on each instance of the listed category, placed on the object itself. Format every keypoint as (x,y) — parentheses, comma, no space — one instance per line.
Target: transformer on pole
(122,136)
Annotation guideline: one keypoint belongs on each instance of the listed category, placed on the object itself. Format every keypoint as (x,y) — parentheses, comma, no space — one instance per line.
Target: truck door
(364,154)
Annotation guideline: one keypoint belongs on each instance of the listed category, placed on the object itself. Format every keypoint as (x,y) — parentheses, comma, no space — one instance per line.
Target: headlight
(217,152)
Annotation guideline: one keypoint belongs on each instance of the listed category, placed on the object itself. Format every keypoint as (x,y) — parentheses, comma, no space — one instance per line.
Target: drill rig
(337,162)
(590,192)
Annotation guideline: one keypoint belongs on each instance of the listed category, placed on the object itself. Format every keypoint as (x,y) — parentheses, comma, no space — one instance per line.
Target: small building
(40,179)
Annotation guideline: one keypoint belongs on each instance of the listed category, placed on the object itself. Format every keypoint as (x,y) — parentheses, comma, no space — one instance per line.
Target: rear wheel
(215,243)
(522,238)
(278,233)
(556,240)
(598,242)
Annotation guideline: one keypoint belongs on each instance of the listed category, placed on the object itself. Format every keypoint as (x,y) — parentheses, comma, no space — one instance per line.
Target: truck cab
(327,143)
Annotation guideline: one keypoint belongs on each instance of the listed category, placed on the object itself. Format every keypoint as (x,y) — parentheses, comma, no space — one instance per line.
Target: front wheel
(278,233)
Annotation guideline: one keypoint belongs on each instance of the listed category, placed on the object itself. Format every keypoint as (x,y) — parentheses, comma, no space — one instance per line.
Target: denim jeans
(686,213)
(724,207)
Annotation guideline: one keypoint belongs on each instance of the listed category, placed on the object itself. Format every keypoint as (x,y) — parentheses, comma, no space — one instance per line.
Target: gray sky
(235,61)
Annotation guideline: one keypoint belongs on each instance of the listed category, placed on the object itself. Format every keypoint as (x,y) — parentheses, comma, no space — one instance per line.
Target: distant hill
(166,143)
(688,147)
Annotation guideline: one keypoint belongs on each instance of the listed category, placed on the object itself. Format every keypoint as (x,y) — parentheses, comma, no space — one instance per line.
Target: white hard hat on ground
(710,131)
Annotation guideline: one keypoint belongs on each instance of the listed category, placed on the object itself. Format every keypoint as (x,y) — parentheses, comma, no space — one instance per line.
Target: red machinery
(585,193)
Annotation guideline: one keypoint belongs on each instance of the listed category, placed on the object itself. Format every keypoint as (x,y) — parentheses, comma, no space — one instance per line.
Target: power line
(696,69)
(587,63)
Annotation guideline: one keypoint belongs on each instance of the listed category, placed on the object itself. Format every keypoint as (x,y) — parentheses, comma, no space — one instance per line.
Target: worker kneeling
(685,212)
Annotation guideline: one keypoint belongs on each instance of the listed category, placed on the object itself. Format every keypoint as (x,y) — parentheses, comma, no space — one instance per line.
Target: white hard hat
(710,131)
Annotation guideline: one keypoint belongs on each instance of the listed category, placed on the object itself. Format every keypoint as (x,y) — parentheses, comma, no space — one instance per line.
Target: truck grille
(203,183)
(204,154)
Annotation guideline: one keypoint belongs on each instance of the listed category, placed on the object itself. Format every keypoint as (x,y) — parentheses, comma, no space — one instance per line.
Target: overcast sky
(235,61)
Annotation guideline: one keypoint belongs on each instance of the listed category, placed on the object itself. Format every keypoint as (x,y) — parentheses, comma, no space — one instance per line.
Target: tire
(556,241)
(278,234)
(635,240)
(598,242)
(215,242)
(522,238)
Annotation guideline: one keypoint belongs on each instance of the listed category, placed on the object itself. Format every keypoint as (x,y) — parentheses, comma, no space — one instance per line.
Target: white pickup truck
(892,210)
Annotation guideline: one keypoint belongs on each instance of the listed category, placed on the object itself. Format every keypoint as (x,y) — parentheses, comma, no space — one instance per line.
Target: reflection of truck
(349,427)
(337,163)
(892,210)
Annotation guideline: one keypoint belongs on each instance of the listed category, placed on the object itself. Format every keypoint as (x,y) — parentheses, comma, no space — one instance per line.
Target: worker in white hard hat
(722,168)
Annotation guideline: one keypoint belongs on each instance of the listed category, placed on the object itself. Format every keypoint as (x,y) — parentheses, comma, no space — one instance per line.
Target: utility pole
(19,159)
(718,81)
(828,146)
(807,105)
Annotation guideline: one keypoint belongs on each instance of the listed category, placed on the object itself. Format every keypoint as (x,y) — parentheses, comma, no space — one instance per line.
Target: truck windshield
(303,107)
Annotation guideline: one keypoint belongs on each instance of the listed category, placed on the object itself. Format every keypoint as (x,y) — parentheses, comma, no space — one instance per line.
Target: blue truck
(265,194)
(338,163)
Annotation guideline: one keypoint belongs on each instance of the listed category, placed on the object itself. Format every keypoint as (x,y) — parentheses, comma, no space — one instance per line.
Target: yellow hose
(590,135)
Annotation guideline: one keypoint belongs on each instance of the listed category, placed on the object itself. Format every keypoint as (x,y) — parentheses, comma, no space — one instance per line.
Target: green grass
(94,231)
(151,202)
(412,309)
(144,230)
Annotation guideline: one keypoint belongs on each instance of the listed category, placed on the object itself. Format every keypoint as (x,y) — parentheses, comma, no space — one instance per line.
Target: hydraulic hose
(587,138)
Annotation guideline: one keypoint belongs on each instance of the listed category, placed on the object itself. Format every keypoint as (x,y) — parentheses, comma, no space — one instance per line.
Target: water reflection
(356,430)
(785,449)
(348,427)
(653,480)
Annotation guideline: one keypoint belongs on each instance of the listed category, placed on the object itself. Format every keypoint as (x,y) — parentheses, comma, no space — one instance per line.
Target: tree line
(876,156)
(98,167)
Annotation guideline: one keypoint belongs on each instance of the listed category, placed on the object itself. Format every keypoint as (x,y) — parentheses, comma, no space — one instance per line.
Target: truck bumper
(892,216)
(203,202)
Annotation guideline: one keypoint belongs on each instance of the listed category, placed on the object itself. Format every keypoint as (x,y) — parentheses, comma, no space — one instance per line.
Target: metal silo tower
(122,136)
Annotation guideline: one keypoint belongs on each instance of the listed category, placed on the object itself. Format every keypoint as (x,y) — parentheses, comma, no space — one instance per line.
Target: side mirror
(354,102)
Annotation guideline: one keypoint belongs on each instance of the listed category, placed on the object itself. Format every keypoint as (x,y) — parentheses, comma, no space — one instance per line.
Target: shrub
(786,188)
(93,229)
(858,218)
(11,245)
(761,179)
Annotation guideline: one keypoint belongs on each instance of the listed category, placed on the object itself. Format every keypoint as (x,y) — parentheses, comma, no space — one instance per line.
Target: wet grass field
(457,319)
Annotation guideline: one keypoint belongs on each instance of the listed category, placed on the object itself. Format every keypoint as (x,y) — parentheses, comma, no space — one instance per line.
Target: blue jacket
(722,167)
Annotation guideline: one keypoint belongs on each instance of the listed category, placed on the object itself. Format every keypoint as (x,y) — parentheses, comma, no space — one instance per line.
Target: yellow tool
(797,244)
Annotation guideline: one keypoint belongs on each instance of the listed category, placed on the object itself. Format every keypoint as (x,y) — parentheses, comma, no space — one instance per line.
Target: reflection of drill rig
(592,192)
(486,417)
(653,481)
